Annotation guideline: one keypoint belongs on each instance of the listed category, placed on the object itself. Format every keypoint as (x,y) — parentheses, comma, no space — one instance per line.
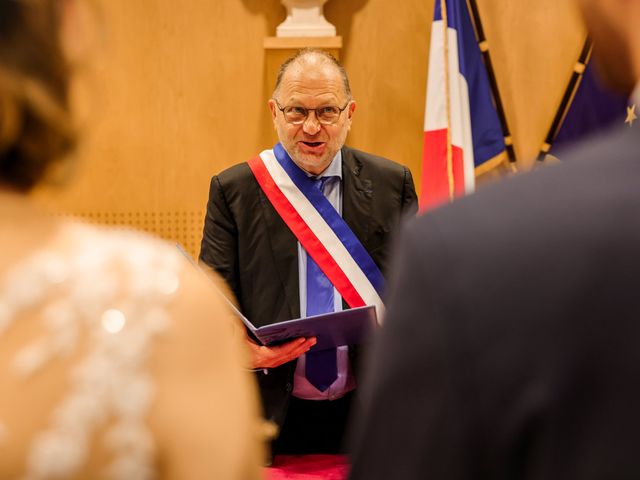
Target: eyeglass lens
(327,115)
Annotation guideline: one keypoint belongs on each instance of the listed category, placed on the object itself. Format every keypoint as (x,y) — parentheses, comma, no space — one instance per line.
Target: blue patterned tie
(321,367)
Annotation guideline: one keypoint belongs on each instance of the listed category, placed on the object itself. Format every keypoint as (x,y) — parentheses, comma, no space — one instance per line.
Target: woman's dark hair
(35,124)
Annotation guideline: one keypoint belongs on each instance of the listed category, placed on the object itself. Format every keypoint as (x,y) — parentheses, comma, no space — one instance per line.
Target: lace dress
(105,299)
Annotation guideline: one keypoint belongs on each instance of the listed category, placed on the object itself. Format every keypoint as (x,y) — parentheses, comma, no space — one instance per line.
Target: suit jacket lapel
(357,192)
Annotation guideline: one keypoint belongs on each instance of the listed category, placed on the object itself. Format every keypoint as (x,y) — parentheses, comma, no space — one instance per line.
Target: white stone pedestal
(305,19)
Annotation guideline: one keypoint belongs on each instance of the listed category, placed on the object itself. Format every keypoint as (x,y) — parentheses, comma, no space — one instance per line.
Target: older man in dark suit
(511,347)
(261,216)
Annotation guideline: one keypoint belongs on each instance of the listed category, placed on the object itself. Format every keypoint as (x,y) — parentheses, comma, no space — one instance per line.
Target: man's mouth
(312,148)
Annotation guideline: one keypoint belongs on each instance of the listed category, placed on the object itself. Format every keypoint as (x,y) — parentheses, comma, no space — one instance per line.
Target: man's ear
(351,109)
(272,108)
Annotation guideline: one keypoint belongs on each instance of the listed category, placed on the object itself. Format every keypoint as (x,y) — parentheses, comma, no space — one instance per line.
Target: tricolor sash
(319,228)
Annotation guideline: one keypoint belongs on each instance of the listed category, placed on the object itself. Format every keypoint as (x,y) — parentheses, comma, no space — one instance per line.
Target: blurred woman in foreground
(116,359)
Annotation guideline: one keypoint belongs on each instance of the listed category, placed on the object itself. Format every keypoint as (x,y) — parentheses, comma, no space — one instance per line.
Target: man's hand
(270,357)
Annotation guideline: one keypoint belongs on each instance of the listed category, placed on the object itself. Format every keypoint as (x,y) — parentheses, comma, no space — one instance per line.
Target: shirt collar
(335,167)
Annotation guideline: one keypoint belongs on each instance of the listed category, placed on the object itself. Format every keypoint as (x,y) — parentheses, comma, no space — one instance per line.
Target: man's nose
(311,124)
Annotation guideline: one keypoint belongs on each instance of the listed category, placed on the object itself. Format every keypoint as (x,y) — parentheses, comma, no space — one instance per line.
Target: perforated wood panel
(183,227)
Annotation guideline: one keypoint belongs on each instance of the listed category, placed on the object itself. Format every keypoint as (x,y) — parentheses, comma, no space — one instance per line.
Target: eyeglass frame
(310,110)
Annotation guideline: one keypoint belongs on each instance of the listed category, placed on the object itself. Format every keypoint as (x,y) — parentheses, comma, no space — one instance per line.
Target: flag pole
(451,182)
(565,103)
(486,56)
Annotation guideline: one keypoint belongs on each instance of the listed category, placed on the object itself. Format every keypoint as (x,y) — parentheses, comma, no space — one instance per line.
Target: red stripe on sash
(304,234)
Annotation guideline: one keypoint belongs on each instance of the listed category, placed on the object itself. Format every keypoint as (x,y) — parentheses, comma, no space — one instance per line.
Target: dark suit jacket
(247,242)
(511,346)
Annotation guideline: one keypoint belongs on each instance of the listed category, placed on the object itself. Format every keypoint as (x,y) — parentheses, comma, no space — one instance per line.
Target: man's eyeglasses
(327,115)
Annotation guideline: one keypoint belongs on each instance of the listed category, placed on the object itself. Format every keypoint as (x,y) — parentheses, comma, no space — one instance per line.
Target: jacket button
(288,387)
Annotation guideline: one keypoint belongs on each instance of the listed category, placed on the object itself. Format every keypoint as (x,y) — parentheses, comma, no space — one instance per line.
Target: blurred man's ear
(81,29)
(611,25)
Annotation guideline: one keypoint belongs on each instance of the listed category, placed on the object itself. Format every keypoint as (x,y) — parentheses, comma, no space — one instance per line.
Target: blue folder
(348,327)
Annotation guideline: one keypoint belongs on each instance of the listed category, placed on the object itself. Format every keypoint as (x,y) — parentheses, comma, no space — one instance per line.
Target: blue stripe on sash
(332,217)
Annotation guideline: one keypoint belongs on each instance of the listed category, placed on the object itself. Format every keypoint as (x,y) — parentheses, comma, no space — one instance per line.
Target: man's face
(608,23)
(311,144)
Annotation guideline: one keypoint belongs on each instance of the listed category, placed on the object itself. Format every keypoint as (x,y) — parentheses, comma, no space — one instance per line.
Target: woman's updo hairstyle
(35,123)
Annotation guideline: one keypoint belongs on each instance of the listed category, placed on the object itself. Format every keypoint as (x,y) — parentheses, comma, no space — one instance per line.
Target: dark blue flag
(594,109)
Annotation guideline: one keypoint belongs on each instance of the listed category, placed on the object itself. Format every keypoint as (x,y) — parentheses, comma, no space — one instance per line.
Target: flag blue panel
(488,141)
(593,109)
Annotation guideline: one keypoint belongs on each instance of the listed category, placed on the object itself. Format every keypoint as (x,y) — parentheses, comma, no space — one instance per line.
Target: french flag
(462,131)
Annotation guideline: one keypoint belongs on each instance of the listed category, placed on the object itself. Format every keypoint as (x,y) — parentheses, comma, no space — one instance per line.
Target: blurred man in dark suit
(511,347)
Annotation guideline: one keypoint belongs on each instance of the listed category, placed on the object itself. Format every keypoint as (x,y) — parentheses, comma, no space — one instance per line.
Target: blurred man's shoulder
(607,162)
(589,181)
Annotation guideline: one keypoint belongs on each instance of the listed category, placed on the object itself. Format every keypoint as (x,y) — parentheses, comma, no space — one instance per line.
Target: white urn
(305,19)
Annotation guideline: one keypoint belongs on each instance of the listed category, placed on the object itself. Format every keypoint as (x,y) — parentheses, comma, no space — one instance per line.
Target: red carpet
(308,467)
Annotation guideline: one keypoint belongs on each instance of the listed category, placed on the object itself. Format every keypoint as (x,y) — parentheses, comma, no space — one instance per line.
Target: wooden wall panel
(534,45)
(177,92)
(386,54)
